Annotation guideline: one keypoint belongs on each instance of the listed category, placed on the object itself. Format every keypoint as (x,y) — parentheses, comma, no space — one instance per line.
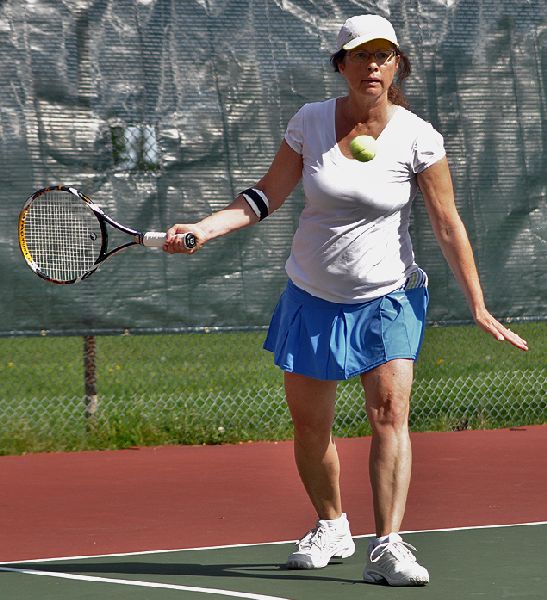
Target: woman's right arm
(280,180)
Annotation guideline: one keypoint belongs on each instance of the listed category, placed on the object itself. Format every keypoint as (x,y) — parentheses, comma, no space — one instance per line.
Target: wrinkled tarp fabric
(162,111)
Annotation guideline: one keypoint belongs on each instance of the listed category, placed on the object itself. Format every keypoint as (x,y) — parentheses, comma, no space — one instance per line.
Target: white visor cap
(363,28)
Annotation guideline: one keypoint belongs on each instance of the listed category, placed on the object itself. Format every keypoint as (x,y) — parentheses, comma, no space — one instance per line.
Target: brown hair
(395,93)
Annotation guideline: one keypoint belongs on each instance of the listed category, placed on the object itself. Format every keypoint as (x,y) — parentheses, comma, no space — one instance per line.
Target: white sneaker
(394,563)
(322,543)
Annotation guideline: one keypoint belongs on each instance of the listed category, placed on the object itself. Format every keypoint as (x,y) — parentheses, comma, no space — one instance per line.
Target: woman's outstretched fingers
(491,325)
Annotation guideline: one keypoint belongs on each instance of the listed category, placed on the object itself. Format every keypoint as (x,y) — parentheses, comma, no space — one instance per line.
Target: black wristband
(258,201)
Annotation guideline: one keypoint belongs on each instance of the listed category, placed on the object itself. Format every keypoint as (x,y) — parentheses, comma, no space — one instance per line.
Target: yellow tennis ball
(363,147)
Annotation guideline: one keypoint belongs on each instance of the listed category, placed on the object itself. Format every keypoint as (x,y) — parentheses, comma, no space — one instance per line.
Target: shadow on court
(488,563)
(239,571)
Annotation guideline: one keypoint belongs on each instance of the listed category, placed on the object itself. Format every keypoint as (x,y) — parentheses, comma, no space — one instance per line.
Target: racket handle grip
(156,239)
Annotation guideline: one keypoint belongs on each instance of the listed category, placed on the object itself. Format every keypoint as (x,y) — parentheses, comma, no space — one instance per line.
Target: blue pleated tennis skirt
(332,341)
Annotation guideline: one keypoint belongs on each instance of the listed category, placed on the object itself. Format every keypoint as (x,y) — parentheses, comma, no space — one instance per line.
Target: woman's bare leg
(387,391)
(312,404)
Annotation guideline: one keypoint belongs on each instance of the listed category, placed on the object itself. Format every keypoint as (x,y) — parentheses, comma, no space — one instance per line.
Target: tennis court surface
(184,522)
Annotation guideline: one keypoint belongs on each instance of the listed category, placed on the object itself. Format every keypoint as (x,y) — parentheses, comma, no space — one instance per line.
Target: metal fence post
(91,398)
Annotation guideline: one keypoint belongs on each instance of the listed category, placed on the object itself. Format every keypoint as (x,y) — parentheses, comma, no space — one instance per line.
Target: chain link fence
(195,388)
(162,112)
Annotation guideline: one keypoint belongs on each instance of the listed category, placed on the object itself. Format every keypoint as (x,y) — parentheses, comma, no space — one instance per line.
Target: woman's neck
(364,111)
(366,118)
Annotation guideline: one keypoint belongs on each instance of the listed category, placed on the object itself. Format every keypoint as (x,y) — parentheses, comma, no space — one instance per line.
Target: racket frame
(103,219)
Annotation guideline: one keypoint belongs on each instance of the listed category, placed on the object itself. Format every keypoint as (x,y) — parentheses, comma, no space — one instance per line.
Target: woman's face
(370,68)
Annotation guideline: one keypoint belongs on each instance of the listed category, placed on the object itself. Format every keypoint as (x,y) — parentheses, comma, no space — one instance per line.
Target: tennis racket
(63,235)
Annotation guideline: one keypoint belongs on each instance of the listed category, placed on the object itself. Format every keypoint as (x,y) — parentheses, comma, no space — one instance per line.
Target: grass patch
(222,387)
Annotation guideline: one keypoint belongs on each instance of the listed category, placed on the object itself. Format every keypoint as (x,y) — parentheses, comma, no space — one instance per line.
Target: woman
(355,302)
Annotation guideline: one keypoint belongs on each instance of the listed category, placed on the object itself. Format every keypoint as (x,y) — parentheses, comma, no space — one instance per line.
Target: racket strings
(63,235)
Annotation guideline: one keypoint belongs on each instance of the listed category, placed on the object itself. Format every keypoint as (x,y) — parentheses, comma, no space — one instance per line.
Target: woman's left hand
(492,326)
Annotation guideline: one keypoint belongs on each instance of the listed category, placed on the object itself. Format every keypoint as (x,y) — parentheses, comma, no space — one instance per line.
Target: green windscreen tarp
(163,111)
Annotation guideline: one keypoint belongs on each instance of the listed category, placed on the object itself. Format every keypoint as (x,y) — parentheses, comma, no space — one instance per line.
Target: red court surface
(92,503)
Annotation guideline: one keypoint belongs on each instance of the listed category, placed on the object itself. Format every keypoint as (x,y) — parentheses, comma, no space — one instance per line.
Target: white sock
(337,524)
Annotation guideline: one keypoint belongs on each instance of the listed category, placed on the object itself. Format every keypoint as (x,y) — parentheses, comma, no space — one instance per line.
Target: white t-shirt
(352,243)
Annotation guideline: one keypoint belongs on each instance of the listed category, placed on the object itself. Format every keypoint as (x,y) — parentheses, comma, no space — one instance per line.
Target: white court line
(145,584)
(200,548)
(469,527)
(149,584)
(146,552)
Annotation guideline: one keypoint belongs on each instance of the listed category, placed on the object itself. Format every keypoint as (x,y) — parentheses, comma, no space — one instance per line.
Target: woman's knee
(312,433)
(390,412)
(387,392)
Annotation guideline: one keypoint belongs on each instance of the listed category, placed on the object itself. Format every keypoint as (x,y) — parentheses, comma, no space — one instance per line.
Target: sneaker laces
(314,537)
(400,550)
